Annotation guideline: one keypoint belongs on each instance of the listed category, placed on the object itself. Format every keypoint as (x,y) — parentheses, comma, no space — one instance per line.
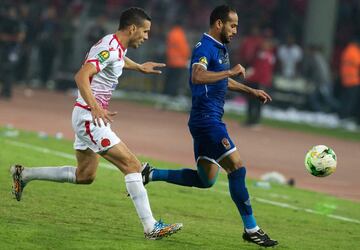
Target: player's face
(140,35)
(229,28)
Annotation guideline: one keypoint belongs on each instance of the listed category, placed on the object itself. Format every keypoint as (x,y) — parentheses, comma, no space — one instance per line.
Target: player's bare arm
(82,81)
(146,68)
(202,76)
(258,93)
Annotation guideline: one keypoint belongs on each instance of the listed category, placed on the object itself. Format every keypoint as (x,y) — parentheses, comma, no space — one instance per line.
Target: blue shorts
(212,143)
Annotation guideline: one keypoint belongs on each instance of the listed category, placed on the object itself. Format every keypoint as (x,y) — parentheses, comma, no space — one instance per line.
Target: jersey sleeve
(101,56)
(201,55)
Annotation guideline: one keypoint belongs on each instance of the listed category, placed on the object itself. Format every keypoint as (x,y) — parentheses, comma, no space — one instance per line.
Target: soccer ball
(320,161)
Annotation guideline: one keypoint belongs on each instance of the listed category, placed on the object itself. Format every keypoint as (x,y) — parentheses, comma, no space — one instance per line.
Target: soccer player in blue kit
(210,77)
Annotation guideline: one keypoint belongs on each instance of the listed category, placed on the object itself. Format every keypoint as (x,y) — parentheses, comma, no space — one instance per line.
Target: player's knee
(131,165)
(85,178)
(239,164)
(236,165)
(208,183)
(207,179)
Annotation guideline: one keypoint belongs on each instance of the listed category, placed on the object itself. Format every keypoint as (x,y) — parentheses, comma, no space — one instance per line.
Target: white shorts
(87,135)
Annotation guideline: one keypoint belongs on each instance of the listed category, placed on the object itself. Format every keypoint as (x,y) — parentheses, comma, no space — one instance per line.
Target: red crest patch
(105,142)
(225,142)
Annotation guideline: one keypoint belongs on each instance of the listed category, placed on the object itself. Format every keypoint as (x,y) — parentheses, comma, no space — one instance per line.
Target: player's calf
(85,177)
(206,181)
(182,177)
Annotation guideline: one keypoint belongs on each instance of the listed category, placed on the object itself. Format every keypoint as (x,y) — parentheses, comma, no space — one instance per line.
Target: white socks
(139,196)
(58,174)
(150,175)
(252,230)
(133,182)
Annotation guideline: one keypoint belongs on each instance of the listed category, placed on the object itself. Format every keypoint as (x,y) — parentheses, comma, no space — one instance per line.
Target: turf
(100,216)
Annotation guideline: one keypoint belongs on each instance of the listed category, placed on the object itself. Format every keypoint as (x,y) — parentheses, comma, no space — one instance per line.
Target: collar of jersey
(117,40)
(207,36)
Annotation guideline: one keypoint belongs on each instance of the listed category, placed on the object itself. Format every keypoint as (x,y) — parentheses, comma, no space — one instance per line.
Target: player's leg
(208,171)
(86,158)
(232,164)
(102,140)
(84,173)
(130,166)
(204,177)
(236,174)
(88,162)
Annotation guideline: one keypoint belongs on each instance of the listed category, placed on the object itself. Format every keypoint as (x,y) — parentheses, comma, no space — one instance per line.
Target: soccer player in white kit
(91,119)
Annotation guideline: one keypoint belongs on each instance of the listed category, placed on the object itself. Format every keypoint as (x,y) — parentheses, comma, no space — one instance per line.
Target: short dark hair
(221,12)
(133,15)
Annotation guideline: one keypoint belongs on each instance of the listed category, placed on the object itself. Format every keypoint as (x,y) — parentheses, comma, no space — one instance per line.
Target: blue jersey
(208,99)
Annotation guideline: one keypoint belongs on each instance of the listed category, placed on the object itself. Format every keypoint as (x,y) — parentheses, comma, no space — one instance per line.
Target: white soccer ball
(321,161)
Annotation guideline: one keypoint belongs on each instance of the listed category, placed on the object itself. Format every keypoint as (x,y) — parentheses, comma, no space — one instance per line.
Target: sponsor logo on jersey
(203,60)
(225,142)
(103,56)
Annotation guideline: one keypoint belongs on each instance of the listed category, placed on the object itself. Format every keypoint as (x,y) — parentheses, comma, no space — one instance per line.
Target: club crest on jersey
(105,142)
(225,142)
(203,60)
(103,56)
(223,57)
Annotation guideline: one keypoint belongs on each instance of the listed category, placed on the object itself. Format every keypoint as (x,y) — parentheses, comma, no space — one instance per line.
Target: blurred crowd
(43,42)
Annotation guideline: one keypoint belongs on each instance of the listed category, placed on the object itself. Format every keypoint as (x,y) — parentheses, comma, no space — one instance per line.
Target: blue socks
(240,196)
(191,178)
(184,177)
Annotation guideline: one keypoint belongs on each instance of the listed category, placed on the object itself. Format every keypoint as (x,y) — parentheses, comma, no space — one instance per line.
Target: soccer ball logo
(320,161)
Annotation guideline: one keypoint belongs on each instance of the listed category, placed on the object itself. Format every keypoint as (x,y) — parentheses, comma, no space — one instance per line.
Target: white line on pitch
(286,205)
(108,166)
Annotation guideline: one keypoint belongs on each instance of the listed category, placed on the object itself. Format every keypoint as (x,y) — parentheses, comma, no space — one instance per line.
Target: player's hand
(262,96)
(149,67)
(98,114)
(237,70)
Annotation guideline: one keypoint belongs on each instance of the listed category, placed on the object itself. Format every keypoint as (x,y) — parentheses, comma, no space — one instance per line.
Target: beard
(135,42)
(223,37)
(132,44)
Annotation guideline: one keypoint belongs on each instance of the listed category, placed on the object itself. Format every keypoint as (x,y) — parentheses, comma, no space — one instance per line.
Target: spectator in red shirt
(260,75)
(250,45)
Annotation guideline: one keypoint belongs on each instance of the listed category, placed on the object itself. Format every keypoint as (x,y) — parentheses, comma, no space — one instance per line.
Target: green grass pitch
(100,216)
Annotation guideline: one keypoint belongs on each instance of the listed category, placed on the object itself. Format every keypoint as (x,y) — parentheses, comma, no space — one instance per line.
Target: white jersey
(107,56)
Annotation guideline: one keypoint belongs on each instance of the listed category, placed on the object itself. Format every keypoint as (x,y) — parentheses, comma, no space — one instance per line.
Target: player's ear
(219,24)
(132,28)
